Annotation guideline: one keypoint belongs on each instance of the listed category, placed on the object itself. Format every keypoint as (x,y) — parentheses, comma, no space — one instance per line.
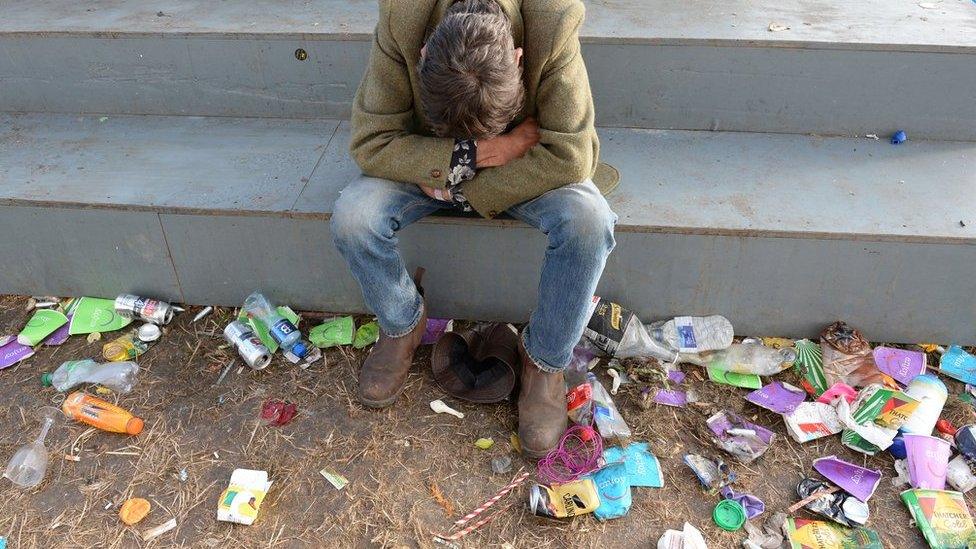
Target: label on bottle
(607,324)
(686,335)
(280,330)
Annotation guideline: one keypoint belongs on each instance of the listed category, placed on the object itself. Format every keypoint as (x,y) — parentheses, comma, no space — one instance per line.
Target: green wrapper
(366,335)
(809,365)
(334,333)
(819,534)
(943,518)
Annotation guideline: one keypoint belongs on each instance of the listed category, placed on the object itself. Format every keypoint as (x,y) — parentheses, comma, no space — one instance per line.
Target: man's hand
(443,195)
(504,148)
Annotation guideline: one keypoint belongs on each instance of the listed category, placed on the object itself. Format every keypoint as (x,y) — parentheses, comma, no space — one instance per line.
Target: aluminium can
(248,345)
(150,310)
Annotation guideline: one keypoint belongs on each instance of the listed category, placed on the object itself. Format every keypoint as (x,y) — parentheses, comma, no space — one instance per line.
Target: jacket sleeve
(382,113)
(568,145)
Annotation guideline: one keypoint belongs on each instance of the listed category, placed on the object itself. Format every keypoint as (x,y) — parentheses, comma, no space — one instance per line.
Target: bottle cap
(299,349)
(729,515)
(47,380)
(134,426)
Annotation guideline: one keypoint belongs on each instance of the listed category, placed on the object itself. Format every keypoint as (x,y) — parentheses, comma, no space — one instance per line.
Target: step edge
(585,39)
(621,228)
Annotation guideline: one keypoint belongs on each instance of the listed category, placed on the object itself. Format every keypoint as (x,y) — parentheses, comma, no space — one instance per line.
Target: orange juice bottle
(100,414)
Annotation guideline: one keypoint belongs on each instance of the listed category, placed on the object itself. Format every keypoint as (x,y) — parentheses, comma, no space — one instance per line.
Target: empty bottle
(117,376)
(281,329)
(619,333)
(125,347)
(605,414)
(693,334)
(26,469)
(102,415)
(745,359)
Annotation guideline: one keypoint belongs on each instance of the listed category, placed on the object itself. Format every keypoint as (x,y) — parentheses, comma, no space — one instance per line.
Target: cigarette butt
(71,457)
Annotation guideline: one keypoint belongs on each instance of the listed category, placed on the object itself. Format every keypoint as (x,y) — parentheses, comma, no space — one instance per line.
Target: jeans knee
(352,222)
(588,223)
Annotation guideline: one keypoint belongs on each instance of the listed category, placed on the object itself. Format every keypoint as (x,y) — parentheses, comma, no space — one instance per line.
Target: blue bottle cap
(899,137)
(299,350)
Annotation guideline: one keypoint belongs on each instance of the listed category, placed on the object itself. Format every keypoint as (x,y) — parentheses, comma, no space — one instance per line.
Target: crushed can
(248,345)
(150,310)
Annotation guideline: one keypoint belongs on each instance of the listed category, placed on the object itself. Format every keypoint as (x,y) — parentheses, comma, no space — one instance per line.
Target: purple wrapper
(435,329)
(854,479)
(676,376)
(753,505)
(677,399)
(901,364)
(777,397)
(12,352)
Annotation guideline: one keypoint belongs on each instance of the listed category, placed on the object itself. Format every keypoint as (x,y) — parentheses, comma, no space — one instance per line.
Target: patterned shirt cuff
(463,162)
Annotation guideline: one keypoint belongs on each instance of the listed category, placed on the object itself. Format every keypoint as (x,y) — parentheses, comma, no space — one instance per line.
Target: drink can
(248,345)
(966,441)
(150,310)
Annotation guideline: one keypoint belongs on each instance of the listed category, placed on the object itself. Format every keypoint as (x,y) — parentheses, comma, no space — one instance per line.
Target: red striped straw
(481,509)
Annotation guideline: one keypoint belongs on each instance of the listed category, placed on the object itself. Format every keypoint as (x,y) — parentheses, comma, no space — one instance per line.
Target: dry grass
(394,458)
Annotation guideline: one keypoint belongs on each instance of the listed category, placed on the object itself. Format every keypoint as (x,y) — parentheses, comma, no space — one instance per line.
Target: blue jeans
(576,218)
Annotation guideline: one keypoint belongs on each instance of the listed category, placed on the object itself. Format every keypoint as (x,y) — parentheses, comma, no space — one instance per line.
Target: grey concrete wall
(771,88)
(893,291)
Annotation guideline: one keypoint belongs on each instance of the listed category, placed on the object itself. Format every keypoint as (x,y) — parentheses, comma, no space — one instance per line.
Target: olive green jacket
(391,140)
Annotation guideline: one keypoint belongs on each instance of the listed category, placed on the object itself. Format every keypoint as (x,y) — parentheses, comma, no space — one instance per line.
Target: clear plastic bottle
(605,414)
(281,329)
(693,334)
(124,347)
(117,376)
(745,359)
(26,469)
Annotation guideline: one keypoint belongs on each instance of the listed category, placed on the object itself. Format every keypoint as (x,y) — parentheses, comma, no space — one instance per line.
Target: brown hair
(470,81)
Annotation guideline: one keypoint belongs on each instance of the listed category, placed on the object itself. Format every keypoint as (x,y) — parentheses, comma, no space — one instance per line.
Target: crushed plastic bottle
(745,359)
(281,329)
(605,414)
(117,376)
(28,466)
(618,332)
(693,334)
(124,347)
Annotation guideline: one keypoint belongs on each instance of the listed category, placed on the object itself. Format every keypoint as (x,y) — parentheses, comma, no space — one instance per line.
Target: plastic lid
(134,426)
(47,380)
(729,515)
(299,350)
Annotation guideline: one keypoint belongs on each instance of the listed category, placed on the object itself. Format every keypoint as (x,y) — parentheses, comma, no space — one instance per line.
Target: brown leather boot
(542,408)
(384,372)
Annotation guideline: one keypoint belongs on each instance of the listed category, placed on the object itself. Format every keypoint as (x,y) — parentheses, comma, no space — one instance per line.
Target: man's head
(470,73)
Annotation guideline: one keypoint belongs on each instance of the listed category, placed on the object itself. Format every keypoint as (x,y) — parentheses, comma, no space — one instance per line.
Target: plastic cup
(960,474)
(928,458)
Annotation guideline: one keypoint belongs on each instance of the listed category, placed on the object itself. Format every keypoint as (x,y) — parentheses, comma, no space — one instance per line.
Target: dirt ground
(392,458)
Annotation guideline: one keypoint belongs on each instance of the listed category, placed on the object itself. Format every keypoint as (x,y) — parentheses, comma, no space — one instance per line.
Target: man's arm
(568,142)
(382,114)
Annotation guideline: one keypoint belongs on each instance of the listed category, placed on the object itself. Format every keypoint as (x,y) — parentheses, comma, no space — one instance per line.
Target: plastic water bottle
(618,332)
(605,414)
(693,334)
(117,376)
(931,395)
(281,329)
(745,359)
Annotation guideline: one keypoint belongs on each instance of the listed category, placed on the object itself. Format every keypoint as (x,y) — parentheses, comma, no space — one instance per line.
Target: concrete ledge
(781,233)
(847,68)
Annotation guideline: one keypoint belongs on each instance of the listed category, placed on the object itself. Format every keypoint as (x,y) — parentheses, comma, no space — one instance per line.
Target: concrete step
(781,233)
(842,68)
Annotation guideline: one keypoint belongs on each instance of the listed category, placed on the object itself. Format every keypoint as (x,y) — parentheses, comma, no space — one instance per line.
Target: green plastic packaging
(942,516)
(735,379)
(92,314)
(44,323)
(366,335)
(809,364)
(333,333)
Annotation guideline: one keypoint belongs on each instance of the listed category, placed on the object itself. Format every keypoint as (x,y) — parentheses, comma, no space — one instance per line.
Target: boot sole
(533,454)
(380,404)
